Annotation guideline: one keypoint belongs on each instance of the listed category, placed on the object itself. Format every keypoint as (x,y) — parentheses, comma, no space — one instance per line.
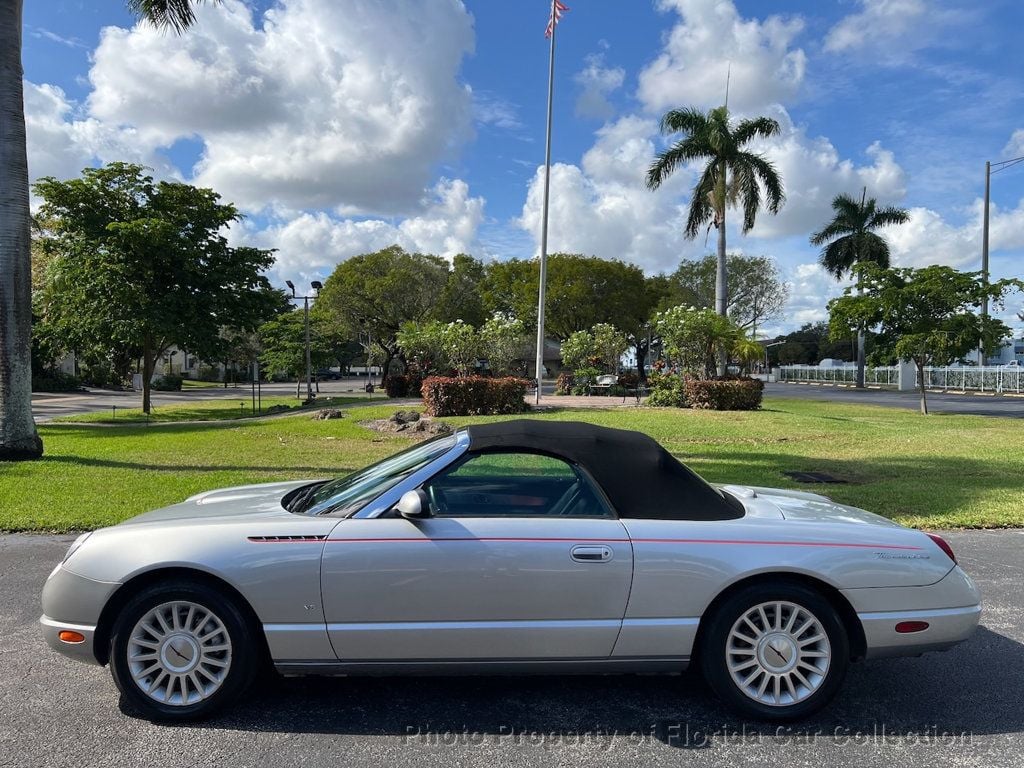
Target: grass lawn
(938,471)
(201,410)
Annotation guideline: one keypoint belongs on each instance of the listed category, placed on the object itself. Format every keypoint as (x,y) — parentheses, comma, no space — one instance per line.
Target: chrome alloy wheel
(778,653)
(179,653)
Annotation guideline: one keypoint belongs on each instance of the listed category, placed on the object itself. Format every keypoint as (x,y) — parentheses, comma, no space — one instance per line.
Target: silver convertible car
(523,546)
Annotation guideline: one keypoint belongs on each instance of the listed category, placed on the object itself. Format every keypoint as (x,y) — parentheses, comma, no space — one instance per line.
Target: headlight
(75,545)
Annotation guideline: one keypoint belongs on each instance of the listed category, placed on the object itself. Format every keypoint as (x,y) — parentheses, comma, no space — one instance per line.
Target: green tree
(578,350)
(143,265)
(18,436)
(732,175)
(581,292)
(462,297)
(376,293)
(850,239)
(757,293)
(695,339)
(610,344)
(503,343)
(438,347)
(926,315)
(283,346)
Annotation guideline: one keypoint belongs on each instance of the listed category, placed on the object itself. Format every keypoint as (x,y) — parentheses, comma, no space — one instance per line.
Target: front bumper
(81,651)
(73,603)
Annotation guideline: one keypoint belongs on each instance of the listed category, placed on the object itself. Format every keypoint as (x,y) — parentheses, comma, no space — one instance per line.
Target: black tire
(714,653)
(244,655)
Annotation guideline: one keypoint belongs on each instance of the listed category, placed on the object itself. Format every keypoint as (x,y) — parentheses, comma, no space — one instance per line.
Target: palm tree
(850,238)
(18,436)
(732,176)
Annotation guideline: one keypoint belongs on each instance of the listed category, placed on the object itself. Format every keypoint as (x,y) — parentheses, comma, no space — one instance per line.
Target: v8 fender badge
(901,556)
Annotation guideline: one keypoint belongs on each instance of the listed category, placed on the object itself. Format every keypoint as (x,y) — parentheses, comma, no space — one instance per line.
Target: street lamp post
(316,285)
(989,166)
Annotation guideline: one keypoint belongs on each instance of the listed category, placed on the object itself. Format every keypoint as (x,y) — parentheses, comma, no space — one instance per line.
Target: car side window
(514,484)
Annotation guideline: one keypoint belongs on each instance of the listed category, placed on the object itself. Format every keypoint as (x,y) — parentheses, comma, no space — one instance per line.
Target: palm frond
(884,217)
(687,120)
(768,176)
(839,256)
(832,230)
(747,192)
(873,247)
(751,128)
(177,15)
(702,210)
(683,151)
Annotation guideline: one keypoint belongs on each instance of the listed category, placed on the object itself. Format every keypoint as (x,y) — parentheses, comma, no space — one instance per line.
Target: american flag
(556,16)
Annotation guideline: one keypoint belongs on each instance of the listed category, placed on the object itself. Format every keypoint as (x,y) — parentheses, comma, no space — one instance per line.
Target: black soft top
(640,478)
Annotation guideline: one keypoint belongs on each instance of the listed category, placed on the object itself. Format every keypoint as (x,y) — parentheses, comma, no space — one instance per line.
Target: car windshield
(347,495)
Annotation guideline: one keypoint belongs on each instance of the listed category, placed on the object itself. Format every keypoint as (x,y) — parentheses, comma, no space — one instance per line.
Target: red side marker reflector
(68,636)
(906,627)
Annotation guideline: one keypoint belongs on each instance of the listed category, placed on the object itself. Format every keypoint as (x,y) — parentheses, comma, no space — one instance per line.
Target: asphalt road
(964,707)
(48,405)
(977,405)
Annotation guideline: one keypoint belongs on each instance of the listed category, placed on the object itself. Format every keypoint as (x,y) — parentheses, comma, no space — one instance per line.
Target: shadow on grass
(977,688)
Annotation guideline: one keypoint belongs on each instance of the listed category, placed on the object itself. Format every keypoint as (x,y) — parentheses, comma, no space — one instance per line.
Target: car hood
(240,501)
(804,506)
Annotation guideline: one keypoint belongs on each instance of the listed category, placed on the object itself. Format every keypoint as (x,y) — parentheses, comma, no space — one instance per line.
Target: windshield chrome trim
(390,497)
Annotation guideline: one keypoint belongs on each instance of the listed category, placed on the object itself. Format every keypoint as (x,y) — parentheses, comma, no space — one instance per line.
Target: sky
(343,126)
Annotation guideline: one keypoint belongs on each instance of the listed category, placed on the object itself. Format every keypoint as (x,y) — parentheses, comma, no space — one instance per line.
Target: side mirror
(414,505)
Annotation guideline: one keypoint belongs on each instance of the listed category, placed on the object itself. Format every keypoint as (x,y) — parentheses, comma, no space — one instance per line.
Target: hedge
(473,395)
(724,395)
(403,385)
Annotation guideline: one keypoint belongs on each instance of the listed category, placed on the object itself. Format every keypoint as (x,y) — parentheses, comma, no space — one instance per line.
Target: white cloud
(811,288)
(319,104)
(929,239)
(597,82)
(310,245)
(710,38)
(61,141)
(813,173)
(1015,146)
(877,25)
(603,207)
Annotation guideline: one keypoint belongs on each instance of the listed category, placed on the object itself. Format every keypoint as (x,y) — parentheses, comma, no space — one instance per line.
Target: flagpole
(544,216)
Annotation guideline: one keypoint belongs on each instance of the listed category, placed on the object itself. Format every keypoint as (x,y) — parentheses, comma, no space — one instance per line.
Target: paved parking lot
(961,708)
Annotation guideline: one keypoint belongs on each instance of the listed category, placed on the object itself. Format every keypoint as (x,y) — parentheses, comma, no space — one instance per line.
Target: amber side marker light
(905,627)
(67,636)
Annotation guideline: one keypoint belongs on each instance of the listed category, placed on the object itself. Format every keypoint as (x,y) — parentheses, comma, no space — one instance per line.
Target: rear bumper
(946,628)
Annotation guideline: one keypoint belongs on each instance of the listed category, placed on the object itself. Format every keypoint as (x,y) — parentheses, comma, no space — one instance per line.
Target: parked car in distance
(523,545)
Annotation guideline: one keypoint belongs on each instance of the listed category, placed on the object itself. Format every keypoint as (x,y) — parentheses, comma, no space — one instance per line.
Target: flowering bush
(473,395)
(667,390)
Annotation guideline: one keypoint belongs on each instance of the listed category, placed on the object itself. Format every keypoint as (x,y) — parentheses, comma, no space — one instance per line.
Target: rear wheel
(181,652)
(775,651)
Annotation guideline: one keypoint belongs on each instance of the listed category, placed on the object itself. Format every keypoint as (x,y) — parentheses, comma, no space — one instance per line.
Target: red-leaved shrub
(724,394)
(473,395)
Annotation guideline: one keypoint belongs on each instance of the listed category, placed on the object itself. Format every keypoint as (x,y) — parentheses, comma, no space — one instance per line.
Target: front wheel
(775,652)
(180,652)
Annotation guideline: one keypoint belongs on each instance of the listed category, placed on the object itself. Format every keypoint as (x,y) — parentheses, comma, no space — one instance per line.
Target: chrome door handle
(583,553)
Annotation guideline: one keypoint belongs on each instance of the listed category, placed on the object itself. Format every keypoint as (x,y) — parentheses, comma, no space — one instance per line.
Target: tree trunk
(18,437)
(641,358)
(148,366)
(922,387)
(859,382)
(721,287)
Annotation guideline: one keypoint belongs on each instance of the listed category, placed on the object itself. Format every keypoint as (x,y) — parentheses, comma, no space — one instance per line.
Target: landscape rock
(328,413)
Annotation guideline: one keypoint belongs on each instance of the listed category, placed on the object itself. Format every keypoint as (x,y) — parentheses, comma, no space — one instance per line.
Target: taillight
(943,545)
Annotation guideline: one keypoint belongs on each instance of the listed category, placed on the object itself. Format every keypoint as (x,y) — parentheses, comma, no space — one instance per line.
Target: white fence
(989,378)
(886,376)
(958,378)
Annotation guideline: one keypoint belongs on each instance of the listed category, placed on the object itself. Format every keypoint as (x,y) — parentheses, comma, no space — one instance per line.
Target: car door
(522,558)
